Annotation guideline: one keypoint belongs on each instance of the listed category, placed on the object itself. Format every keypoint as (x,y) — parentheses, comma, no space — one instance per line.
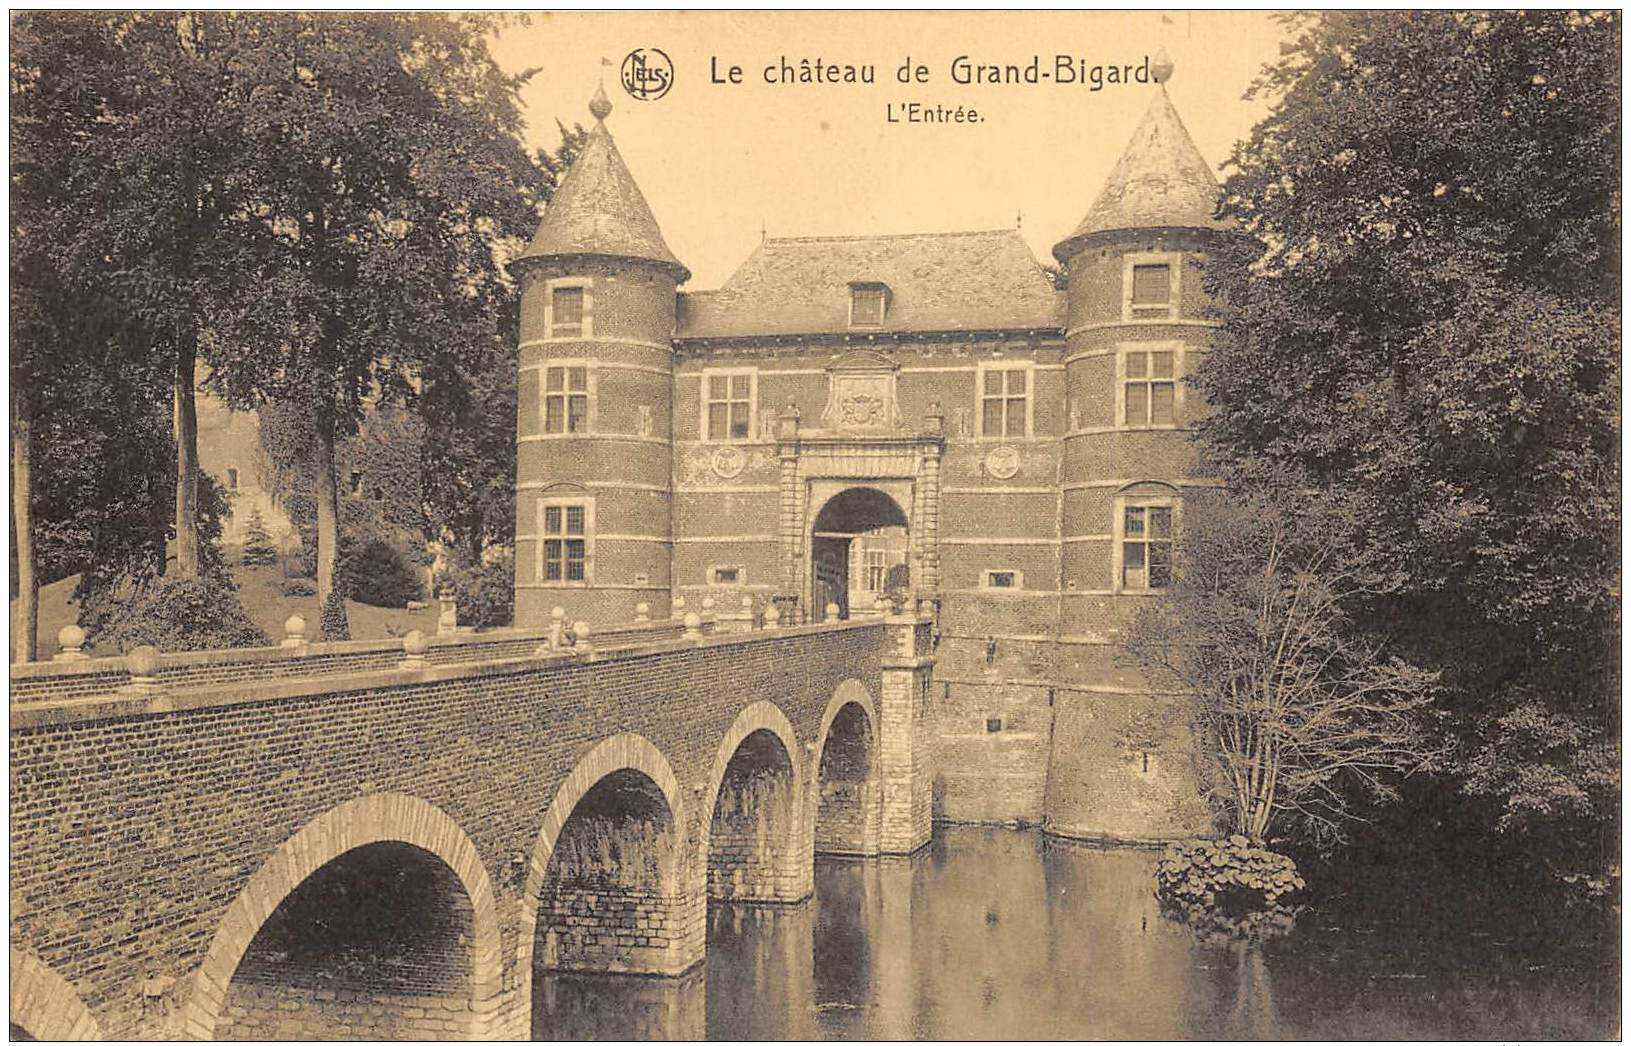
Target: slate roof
(600,211)
(1161,181)
(937,281)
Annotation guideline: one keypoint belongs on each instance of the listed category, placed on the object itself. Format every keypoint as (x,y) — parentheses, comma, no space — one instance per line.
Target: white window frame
(1019,579)
(550,287)
(753,404)
(1122,503)
(541,537)
(591,385)
(1173,260)
(1122,351)
(1029,367)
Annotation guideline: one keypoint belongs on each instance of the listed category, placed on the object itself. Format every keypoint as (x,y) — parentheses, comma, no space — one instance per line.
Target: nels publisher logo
(647,74)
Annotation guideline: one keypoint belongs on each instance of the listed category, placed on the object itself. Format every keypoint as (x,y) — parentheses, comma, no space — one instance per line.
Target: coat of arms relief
(861,394)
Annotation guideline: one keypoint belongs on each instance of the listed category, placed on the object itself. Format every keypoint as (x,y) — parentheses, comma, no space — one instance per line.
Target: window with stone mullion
(1146,547)
(1002,401)
(565,543)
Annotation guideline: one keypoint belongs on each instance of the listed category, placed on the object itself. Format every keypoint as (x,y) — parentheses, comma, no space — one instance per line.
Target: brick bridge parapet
(157,831)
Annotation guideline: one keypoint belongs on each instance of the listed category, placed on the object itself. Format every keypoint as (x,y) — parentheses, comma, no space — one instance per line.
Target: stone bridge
(388,839)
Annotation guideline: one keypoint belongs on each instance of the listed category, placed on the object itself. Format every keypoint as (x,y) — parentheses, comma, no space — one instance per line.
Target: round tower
(1137,320)
(594,457)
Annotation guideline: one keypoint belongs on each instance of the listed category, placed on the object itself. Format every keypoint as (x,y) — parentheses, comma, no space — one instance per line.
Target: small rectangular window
(1152,285)
(566,399)
(1004,392)
(1002,579)
(729,406)
(1150,389)
(993,726)
(232,479)
(566,312)
(356,483)
(726,576)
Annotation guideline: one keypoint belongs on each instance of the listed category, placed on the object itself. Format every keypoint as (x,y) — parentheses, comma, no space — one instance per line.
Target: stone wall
(272,1010)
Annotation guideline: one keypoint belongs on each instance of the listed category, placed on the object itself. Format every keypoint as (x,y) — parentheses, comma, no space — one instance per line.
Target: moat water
(993,934)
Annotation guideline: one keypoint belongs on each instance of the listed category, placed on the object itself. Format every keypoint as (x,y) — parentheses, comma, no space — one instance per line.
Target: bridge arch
(843,804)
(620,798)
(384,818)
(752,842)
(44,1005)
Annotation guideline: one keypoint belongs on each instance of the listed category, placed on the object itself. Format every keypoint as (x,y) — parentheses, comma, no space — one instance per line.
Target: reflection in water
(998,934)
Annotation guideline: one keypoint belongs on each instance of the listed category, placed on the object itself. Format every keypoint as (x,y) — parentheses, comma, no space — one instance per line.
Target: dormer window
(868,302)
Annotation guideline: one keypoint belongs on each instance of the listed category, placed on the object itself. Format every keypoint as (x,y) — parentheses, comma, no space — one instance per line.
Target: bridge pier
(905,772)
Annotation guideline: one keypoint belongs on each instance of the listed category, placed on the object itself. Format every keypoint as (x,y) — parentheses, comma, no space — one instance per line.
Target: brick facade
(729,429)
(166,846)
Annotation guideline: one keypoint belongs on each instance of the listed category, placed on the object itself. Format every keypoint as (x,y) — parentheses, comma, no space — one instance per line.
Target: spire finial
(1161,67)
(600,106)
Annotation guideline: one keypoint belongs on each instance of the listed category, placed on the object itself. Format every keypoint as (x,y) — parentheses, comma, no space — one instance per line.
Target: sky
(720,163)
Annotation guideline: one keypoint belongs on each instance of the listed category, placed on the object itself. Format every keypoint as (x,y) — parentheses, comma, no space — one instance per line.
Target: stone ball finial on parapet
(557,627)
(642,613)
(447,623)
(71,638)
(693,625)
(580,638)
(414,645)
(143,665)
(831,612)
(773,617)
(294,634)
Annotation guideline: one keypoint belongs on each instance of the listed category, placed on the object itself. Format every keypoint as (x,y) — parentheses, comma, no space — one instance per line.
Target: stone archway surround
(380,818)
(620,752)
(762,715)
(45,1005)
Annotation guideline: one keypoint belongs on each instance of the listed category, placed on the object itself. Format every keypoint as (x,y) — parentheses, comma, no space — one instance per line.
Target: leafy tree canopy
(1424,321)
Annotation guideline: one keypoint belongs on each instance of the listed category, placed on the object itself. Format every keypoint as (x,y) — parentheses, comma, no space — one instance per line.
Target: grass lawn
(260,588)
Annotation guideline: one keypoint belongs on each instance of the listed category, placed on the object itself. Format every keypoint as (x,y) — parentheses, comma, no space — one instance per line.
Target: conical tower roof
(599,211)
(1161,181)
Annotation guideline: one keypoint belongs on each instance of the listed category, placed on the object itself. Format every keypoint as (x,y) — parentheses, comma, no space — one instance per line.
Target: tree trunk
(186,458)
(328,507)
(26,627)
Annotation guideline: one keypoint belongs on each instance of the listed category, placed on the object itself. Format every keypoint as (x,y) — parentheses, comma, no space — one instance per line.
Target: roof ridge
(885,235)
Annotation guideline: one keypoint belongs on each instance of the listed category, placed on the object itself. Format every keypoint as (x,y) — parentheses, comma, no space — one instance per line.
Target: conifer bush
(258,549)
(333,625)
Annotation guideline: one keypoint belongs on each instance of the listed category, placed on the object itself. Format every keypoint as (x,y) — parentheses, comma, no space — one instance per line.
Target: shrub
(258,550)
(1227,887)
(299,586)
(333,626)
(196,613)
(484,592)
(380,575)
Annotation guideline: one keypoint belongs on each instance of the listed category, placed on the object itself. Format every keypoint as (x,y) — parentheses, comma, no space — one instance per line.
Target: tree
(258,548)
(383,160)
(468,406)
(1293,712)
(73,354)
(1423,323)
(154,198)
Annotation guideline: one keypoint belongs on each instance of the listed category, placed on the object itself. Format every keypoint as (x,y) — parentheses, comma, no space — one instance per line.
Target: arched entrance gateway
(858,537)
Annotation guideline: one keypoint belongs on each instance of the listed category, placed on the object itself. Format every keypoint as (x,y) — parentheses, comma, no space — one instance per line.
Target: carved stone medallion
(728,462)
(1002,462)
